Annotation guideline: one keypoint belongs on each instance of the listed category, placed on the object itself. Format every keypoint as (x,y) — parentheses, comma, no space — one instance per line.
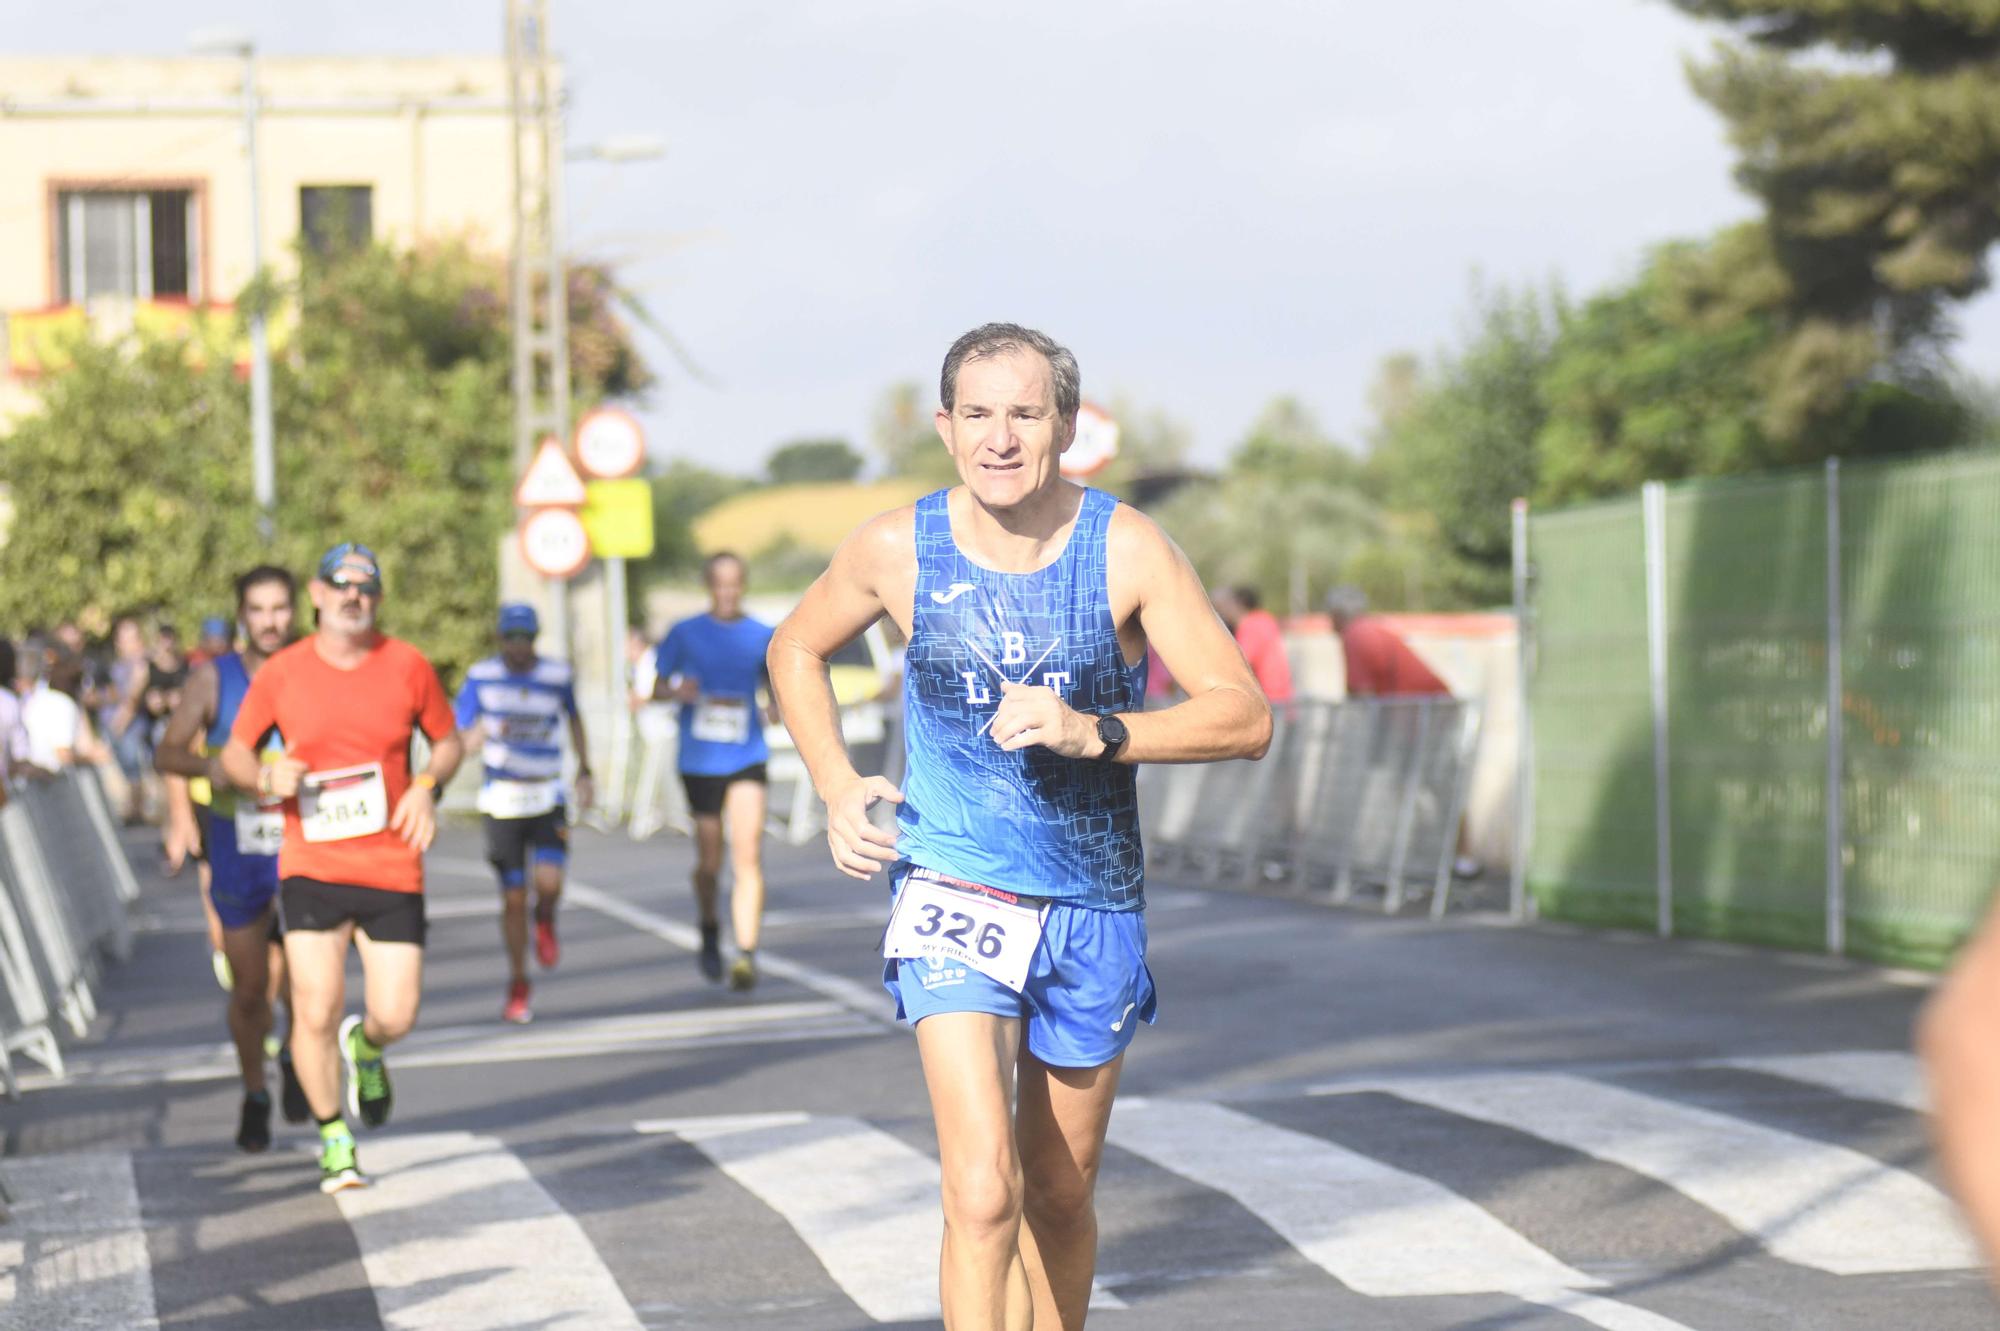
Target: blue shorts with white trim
(1088,986)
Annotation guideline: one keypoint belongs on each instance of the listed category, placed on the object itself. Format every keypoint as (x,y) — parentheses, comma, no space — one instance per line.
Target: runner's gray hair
(1001,339)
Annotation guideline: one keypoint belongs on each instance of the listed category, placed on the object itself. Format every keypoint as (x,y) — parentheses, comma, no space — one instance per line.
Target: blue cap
(215,626)
(519,617)
(349,552)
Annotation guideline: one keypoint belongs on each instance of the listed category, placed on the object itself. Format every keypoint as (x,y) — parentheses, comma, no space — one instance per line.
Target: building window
(336,217)
(139,245)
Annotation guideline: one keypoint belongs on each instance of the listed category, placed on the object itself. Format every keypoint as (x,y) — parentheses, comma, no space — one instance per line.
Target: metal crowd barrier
(1363,793)
(64,888)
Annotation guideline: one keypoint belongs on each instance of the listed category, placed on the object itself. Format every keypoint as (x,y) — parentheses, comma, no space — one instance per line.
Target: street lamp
(263,466)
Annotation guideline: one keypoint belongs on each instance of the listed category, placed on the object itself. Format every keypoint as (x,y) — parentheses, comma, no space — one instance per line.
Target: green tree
(810,460)
(394,428)
(1878,181)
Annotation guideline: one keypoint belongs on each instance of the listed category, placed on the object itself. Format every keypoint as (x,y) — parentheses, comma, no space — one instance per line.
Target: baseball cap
(349,552)
(519,617)
(215,626)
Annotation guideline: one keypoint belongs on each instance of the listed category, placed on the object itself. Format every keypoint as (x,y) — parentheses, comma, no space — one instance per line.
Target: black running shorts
(307,905)
(705,792)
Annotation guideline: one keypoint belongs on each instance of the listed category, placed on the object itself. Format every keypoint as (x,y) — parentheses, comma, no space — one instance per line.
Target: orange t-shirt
(334,719)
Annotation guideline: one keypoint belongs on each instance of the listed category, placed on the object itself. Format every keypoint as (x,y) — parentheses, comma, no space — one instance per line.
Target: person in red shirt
(1262,641)
(1379,664)
(347,701)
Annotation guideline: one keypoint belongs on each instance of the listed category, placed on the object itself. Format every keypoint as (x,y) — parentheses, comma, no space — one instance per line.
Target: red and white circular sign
(554,542)
(1095,445)
(609,444)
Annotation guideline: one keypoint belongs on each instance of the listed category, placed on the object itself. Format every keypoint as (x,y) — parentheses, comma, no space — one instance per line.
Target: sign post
(617,517)
(552,538)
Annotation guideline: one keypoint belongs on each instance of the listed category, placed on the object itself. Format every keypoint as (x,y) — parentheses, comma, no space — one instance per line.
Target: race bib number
(721,721)
(518,799)
(343,804)
(944,919)
(260,829)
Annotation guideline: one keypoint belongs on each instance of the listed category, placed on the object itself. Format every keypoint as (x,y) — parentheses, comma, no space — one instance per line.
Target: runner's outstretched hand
(859,847)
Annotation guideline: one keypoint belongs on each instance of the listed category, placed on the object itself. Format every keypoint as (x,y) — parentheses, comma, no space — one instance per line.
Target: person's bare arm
(873,572)
(1959,1038)
(1225,714)
(175,755)
(586,787)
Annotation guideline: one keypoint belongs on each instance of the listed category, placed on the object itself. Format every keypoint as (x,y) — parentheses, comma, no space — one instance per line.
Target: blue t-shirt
(721,732)
(1028,821)
(520,716)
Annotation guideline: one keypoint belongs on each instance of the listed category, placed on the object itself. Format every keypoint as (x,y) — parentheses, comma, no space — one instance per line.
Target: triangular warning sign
(551,480)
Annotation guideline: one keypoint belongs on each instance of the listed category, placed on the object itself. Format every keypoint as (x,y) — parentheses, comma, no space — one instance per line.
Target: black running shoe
(711,951)
(292,1098)
(253,1130)
(368,1097)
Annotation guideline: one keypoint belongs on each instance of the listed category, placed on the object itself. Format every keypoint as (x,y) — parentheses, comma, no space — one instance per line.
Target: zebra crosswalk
(1406,1202)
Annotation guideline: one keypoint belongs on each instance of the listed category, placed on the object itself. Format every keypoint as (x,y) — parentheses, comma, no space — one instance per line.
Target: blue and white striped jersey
(520,716)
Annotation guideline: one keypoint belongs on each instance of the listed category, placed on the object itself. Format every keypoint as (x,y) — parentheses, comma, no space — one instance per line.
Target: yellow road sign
(619,517)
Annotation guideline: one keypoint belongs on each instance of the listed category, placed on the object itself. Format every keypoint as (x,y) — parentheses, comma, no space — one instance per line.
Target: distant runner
(511,711)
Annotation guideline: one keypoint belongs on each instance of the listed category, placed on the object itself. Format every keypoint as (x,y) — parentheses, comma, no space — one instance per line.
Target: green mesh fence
(1592,835)
(1745,578)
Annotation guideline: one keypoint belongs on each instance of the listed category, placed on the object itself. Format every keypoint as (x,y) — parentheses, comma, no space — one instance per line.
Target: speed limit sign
(554,542)
(610,444)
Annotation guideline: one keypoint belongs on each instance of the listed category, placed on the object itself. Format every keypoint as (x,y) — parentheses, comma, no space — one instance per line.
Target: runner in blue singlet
(240,839)
(1016,939)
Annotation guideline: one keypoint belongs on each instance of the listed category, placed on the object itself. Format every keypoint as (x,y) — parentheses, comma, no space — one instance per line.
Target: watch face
(1111,730)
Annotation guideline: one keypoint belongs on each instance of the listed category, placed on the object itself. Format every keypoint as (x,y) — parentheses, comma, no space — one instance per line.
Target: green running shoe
(339,1167)
(368,1097)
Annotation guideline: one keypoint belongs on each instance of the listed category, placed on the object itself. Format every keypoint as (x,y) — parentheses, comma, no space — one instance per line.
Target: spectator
(13,740)
(218,636)
(166,675)
(122,718)
(51,720)
(1259,637)
(1379,663)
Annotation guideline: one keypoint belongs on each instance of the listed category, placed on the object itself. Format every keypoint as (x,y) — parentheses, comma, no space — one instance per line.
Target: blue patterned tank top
(1028,821)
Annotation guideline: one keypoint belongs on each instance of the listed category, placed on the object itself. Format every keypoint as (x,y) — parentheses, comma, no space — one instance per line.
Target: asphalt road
(1340,1120)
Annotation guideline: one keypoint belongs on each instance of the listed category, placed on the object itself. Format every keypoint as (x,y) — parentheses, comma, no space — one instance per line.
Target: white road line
(865,1202)
(1379,1230)
(74,1255)
(456,1235)
(868,1000)
(458,1046)
(1809,1202)
(1888,1075)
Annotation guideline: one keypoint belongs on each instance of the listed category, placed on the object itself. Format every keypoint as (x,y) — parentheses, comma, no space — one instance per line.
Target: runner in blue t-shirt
(1017,939)
(511,711)
(713,665)
(239,837)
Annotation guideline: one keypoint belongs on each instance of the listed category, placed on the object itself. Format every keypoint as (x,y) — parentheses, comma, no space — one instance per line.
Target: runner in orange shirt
(350,867)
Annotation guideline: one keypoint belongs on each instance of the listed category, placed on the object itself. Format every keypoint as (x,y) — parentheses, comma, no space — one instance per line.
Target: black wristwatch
(1112,732)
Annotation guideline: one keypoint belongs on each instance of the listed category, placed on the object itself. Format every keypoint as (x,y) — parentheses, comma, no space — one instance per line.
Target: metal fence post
(1836,724)
(1524,762)
(1653,514)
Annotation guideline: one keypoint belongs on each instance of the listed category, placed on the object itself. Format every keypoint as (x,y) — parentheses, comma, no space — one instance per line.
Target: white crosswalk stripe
(74,1254)
(1378,1230)
(456,1235)
(1810,1202)
(1890,1076)
(865,1202)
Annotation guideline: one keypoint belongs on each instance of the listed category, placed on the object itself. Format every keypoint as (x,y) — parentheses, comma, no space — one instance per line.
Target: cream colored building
(125,196)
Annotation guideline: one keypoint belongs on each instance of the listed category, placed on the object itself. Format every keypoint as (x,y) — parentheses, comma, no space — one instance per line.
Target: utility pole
(541,326)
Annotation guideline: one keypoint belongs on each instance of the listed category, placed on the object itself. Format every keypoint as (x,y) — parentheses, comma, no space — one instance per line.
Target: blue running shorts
(1088,987)
(241,886)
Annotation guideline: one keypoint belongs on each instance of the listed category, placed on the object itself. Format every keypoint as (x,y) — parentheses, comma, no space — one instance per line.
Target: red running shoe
(547,950)
(516,1010)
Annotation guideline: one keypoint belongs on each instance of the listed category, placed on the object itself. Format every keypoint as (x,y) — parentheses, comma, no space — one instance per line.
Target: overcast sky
(1211,204)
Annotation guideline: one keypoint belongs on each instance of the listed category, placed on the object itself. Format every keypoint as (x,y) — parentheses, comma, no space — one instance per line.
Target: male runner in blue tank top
(1016,942)
(241,839)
